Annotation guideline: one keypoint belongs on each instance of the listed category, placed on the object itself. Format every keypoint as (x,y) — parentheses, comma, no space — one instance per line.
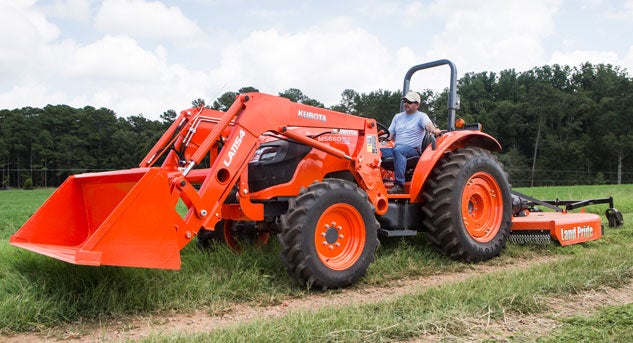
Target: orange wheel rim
(229,238)
(262,238)
(340,236)
(482,207)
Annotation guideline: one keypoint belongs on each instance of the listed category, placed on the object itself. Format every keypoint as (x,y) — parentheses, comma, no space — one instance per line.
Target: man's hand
(432,129)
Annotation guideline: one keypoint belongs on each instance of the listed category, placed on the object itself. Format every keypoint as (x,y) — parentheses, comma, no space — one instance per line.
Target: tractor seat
(387,162)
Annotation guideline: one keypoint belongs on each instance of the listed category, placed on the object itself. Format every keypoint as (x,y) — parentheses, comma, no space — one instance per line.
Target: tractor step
(397,233)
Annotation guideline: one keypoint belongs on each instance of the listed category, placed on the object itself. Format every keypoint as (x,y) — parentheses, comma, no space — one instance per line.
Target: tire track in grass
(139,327)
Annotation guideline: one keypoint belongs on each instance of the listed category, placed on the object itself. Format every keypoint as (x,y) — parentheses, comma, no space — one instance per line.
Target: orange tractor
(312,176)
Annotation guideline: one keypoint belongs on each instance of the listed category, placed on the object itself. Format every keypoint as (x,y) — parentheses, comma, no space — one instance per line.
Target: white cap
(412,96)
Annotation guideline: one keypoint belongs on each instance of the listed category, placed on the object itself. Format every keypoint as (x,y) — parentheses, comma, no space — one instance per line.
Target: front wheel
(468,205)
(329,234)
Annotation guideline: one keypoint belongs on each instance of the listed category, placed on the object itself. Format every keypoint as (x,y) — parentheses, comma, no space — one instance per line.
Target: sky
(144,57)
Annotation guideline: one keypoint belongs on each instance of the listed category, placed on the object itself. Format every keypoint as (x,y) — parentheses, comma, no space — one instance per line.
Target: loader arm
(250,116)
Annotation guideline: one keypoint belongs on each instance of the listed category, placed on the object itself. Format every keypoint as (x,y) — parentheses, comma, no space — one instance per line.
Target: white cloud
(624,11)
(378,8)
(142,56)
(576,58)
(116,58)
(34,95)
(321,61)
(114,72)
(22,31)
(628,6)
(117,73)
(172,87)
(414,13)
(493,35)
(78,10)
(144,19)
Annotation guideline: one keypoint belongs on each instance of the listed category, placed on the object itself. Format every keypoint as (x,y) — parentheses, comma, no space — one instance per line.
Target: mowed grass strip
(37,292)
(445,310)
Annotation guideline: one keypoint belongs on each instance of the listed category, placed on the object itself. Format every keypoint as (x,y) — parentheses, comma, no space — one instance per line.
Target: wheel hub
(331,233)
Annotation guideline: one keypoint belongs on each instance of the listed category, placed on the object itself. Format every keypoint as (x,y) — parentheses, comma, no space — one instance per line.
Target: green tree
(226,100)
(348,103)
(612,91)
(380,105)
(197,103)
(168,117)
(297,96)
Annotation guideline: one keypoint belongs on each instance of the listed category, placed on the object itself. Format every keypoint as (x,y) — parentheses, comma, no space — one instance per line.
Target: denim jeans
(399,154)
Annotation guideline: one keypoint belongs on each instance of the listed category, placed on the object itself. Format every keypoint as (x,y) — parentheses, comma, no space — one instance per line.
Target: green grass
(37,292)
(612,324)
(449,310)
(17,206)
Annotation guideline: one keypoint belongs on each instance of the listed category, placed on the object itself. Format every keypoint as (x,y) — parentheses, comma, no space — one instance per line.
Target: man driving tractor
(408,129)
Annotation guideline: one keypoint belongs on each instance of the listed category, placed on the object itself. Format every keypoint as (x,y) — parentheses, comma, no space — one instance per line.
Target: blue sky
(148,56)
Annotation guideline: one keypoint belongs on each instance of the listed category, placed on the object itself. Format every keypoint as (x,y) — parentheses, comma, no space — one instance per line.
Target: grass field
(38,292)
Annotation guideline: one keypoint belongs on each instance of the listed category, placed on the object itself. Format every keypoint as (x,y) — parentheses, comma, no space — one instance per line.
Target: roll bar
(452,92)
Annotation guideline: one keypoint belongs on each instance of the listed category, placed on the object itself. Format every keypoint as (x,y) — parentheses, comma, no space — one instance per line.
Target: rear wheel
(468,205)
(329,234)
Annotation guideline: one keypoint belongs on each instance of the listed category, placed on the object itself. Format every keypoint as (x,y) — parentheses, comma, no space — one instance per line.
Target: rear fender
(448,142)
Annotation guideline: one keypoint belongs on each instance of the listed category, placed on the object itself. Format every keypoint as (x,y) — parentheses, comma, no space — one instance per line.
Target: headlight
(265,153)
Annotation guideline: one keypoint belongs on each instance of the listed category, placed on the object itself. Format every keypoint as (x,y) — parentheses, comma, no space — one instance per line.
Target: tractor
(311,176)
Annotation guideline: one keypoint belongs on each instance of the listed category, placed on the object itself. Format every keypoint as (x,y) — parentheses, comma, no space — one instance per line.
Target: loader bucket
(120,218)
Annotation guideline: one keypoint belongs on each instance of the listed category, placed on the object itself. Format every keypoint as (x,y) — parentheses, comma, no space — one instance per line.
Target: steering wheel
(383,132)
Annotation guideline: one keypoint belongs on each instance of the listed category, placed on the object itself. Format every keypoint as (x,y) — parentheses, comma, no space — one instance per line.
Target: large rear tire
(468,205)
(329,234)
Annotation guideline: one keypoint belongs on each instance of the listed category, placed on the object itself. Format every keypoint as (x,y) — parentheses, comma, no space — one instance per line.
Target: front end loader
(303,161)
(312,176)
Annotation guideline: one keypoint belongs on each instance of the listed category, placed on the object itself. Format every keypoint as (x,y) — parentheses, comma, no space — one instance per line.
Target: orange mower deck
(565,228)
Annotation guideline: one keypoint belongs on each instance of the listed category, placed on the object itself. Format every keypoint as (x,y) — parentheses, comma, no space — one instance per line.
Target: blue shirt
(409,129)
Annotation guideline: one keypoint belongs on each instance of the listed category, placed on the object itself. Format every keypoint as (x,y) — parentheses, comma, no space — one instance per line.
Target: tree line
(558,125)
